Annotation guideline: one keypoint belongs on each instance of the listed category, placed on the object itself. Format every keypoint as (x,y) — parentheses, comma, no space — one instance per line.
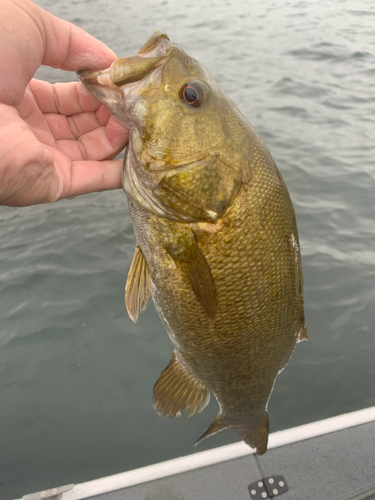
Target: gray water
(76,375)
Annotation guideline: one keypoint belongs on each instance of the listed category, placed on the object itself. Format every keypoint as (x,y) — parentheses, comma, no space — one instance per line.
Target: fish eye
(193,93)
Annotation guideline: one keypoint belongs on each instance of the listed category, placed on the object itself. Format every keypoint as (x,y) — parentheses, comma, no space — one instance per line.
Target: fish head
(182,161)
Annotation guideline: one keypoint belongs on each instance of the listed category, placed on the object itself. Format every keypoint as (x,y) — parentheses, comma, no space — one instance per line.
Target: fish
(217,246)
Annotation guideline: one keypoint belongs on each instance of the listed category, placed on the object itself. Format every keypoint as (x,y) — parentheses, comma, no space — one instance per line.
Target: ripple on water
(74,369)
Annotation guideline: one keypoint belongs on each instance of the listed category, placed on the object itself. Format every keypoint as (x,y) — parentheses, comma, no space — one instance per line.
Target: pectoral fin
(176,390)
(189,258)
(138,286)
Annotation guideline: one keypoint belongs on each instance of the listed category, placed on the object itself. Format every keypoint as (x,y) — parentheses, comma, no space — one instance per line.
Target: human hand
(56,141)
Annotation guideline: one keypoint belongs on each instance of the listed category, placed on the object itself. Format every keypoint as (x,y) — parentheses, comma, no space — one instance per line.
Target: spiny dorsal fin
(256,437)
(216,426)
(138,286)
(176,390)
(189,258)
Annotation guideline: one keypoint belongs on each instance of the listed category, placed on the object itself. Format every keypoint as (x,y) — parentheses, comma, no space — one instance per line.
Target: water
(76,375)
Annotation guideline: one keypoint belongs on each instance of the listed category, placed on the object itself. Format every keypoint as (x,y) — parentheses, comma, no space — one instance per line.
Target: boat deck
(333,459)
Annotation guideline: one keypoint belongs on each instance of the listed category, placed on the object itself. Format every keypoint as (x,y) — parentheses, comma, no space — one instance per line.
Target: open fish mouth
(125,70)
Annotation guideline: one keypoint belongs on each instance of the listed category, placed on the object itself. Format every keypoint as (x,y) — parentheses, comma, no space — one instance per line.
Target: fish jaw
(118,87)
(99,84)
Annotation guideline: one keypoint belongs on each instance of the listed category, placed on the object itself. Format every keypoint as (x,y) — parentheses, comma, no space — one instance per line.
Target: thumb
(69,47)
(31,36)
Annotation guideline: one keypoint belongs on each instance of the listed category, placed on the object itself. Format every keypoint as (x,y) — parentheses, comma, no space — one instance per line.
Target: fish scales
(217,239)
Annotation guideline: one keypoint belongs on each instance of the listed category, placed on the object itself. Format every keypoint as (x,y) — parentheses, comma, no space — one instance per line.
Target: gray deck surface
(336,466)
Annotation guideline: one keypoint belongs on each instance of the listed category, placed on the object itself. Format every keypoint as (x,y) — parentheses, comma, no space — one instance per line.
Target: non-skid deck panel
(336,466)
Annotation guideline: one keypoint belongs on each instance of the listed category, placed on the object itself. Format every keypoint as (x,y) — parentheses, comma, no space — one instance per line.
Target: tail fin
(216,426)
(256,437)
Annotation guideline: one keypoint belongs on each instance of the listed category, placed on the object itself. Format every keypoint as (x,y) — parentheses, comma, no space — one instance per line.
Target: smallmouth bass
(217,242)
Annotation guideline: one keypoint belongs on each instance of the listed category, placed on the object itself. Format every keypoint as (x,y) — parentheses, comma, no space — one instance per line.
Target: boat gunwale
(213,456)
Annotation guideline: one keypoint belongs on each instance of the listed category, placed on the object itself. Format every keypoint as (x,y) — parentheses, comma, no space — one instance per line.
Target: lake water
(76,375)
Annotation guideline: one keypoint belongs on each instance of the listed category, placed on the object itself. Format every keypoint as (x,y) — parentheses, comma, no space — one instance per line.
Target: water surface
(76,375)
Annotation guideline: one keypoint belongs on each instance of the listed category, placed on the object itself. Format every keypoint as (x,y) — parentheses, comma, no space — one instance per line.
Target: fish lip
(88,76)
(157,47)
(96,78)
(159,44)
(85,74)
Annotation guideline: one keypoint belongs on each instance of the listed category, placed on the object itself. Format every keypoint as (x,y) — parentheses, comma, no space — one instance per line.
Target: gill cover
(178,193)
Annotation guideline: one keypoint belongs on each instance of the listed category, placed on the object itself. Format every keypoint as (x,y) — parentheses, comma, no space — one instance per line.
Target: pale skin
(56,141)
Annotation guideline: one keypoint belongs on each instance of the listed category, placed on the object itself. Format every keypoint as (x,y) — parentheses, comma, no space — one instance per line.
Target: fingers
(88,132)
(72,127)
(83,177)
(98,144)
(34,118)
(64,98)
(42,173)
(93,176)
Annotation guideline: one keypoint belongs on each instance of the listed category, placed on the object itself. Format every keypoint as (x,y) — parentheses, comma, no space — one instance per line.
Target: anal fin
(138,286)
(176,390)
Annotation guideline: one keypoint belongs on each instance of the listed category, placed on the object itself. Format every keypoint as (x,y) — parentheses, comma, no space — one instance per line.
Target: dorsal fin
(138,286)
(176,390)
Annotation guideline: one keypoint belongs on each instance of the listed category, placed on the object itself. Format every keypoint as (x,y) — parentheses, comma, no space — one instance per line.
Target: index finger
(63,98)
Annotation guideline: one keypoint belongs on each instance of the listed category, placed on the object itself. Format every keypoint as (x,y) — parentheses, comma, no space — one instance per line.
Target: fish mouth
(126,70)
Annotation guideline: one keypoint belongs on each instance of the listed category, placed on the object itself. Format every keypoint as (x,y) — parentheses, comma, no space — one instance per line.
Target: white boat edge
(210,457)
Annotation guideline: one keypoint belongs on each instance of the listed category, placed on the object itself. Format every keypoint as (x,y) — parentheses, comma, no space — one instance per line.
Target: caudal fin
(256,437)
